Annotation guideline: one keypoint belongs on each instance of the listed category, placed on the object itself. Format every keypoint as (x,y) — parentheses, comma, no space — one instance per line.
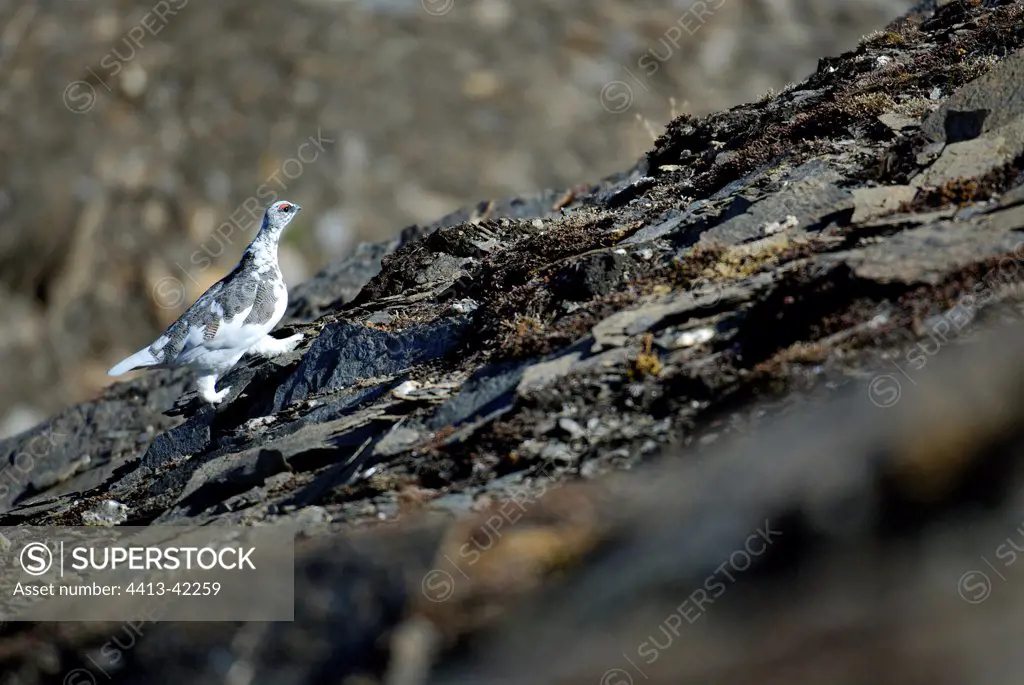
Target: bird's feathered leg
(206,384)
(269,346)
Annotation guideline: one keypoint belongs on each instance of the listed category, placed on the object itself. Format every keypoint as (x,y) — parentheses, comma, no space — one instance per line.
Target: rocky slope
(823,246)
(136,135)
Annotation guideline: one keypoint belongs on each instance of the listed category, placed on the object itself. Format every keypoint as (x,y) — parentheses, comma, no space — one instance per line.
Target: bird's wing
(265,301)
(212,320)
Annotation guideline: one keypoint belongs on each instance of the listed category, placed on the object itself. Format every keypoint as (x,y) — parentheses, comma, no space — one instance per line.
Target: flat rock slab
(871,203)
(345,352)
(976,157)
(928,253)
(813,202)
(986,103)
(615,330)
(54,452)
(489,390)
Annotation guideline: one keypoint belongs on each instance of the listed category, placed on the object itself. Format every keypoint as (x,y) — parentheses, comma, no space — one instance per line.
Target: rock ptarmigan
(234,317)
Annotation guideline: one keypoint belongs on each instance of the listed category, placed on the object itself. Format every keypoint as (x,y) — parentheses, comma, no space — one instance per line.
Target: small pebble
(574,429)
(779,226)
(109,513)
(405,390)
(466,306)
(694,337)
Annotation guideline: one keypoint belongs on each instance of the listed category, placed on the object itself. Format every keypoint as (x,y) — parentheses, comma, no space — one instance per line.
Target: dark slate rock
(345,456)
(741,183)
(489,391)
(399,439)
(799,96)
(349,448)
(37,506)
(337,283)
(814,169)
(444,267)
(682,227)
(989,101)
(219,479)
(350,402)
(594,275)
(814,203)
(620,196)
(976,157)
(30,461)
(191,437)
(655,231)
(345,352)
(960,126)
(737,207)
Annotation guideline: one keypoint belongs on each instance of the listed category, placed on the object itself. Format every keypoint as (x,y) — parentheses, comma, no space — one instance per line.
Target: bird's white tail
(138,360)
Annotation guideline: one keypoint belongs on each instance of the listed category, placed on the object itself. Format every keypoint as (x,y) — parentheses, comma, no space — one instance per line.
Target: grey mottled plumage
(233,317)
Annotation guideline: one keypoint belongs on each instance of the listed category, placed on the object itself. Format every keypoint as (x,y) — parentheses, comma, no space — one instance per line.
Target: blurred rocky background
(138,139)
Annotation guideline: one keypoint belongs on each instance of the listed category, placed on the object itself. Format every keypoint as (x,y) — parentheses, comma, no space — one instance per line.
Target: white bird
(234,317)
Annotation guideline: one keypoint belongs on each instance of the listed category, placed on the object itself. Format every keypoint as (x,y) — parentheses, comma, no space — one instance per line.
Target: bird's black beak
(298,208)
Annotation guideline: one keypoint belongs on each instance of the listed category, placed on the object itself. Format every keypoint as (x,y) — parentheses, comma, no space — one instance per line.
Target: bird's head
(280,214)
